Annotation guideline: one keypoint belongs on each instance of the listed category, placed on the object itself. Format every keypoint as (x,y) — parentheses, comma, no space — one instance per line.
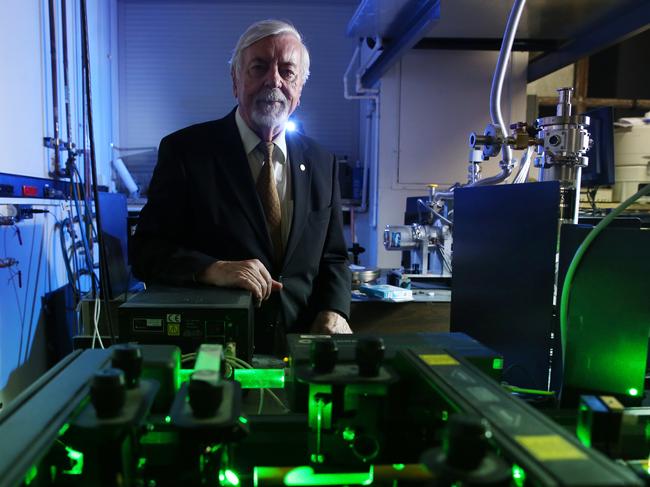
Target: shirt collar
(251,140)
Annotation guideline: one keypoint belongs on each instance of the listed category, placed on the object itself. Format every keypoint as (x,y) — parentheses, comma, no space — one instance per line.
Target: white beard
(272,115)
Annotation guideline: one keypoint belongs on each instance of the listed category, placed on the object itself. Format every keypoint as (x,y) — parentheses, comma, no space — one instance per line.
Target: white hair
(265,28)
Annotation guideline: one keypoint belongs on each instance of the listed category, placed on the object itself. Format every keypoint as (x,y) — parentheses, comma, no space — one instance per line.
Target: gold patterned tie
(268,193)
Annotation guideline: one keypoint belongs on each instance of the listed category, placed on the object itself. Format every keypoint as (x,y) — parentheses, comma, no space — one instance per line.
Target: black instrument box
(189,316)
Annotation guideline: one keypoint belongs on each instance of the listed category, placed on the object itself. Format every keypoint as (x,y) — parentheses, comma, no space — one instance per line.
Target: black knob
(466,444)
(323,354)
(369,355)
(128,357)
(108,392)
(205,392)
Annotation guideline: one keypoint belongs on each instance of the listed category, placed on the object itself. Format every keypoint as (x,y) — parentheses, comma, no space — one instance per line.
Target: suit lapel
(232,158)
(300,167)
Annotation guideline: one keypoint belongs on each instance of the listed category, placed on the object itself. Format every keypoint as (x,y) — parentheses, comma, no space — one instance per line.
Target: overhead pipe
(363,93)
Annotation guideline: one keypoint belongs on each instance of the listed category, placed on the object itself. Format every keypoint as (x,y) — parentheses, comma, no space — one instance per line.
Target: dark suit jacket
(202,206)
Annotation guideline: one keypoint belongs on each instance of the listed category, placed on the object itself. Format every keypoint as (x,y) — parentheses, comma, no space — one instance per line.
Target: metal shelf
(561,31)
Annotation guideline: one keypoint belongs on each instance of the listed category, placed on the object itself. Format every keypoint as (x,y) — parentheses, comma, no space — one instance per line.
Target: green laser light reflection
(260,378)
(306,476)
(518,475)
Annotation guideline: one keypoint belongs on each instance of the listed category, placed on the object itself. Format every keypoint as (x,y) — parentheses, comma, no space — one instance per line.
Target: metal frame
(622,23)
(32,421)
(406,30)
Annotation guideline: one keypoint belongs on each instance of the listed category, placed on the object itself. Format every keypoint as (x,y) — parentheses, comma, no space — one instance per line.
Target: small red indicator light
(30,190)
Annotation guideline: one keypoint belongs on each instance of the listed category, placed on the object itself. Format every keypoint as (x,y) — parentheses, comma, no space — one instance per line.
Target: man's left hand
(329,323)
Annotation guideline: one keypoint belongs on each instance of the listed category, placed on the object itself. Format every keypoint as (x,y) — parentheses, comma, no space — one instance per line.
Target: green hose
(568,280)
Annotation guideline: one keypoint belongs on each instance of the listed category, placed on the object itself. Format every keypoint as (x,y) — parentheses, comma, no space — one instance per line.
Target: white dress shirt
(281,172)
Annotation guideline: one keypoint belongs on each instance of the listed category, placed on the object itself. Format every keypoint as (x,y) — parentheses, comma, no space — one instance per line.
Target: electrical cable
(522,390)
(524,169)
(246,365)
(96,315)
(187,357)
(577,258)
(103,270)
(236,363)
(84,238)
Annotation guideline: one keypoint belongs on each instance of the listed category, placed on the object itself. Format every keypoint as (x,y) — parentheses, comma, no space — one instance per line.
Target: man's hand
(246,274)
(329,322)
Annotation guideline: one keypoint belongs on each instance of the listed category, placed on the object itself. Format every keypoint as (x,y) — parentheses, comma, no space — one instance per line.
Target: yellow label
(550,447)
(612,403)
(173,329)
(438,359)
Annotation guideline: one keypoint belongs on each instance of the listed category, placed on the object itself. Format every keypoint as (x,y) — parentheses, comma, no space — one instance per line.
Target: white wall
(430,102)
(22,87)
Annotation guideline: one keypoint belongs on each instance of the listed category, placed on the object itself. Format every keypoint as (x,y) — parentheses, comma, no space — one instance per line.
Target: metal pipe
(497,82)
(55,88)
(373,96)
(125,176)
(66,83)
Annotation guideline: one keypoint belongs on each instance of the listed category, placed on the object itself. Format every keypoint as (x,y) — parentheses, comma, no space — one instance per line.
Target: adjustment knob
(323,354)
(466,443)
(108,392)
(205,392)
(128,357)
(369,355)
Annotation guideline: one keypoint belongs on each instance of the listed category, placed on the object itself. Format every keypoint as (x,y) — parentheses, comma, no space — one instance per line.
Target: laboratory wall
(26,117)
(174,70)
(429,104)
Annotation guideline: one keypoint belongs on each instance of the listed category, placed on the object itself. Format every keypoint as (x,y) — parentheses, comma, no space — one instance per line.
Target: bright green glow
(260,378)
(398,466)
(497,364)
(228,477)
(317,458)
(177,371)
(319,393)
(141,463)
(523,390)
(31,475)
(243,420)
(64,428)
(77,459)
(445,415)
(584,435)
(306,476)
(633,392)
(586,319)
(168,419)
(184,375)
(349,434)
(518,475)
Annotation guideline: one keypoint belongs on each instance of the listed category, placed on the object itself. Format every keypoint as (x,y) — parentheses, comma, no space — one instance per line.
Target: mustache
(272,94)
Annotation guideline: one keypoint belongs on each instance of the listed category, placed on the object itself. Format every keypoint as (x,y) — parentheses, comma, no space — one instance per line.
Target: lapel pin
(302,167)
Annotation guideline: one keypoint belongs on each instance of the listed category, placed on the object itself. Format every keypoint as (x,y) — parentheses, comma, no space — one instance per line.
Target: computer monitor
(600,171)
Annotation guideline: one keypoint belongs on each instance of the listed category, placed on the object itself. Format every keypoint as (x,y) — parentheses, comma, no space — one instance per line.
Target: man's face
(269,82)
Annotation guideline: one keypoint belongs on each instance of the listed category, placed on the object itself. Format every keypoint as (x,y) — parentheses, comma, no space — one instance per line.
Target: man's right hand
(246,274)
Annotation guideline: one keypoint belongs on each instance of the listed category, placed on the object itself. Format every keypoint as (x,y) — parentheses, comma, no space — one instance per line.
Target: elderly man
(237,202)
